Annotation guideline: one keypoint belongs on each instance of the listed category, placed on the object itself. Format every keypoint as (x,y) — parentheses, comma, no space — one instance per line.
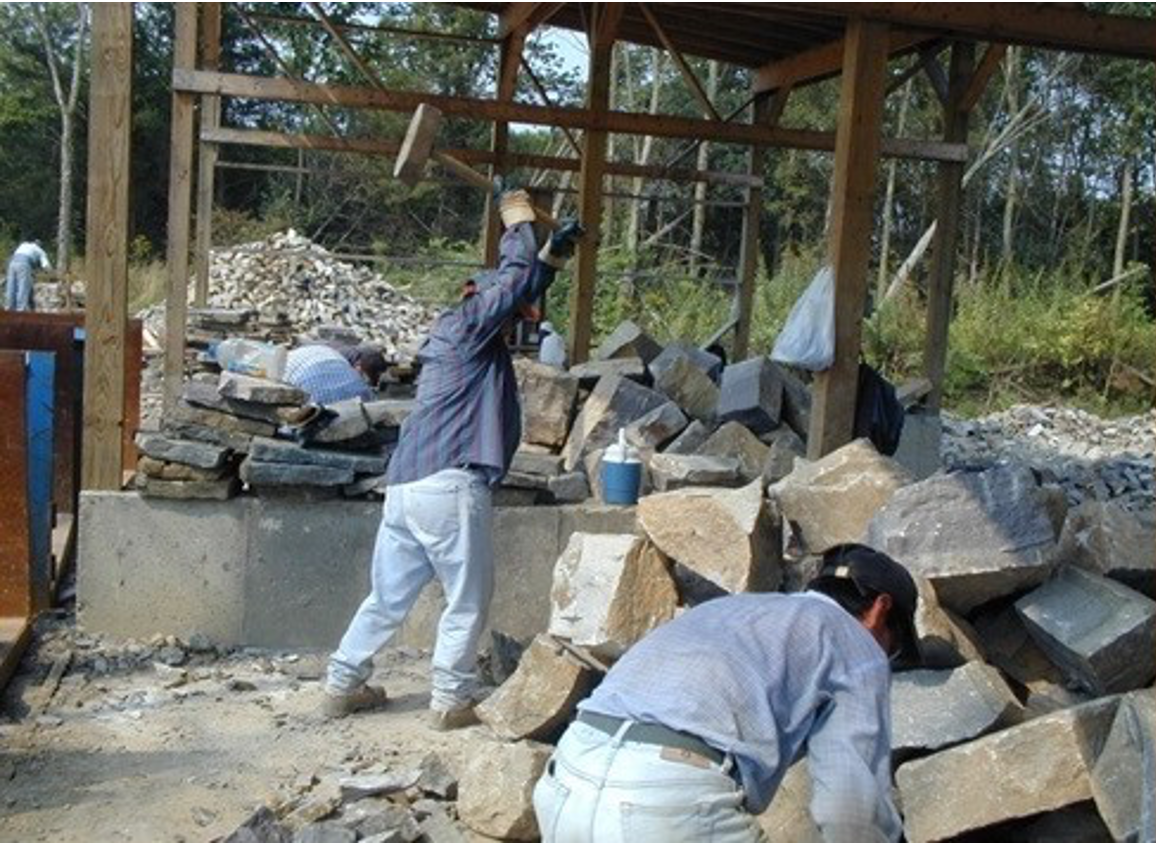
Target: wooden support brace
(207,152)
(856,161)
(688,76)
(509,60)
(987,67)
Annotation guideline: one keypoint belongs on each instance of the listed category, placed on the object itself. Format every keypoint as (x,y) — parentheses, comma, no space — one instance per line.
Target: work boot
(360,699)
(454,718)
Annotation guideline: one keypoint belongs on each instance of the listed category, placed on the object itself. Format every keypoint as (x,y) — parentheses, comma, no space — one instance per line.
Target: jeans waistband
(652,733)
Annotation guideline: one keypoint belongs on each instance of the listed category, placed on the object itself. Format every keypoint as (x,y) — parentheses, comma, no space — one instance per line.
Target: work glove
(514,207)
(560,247)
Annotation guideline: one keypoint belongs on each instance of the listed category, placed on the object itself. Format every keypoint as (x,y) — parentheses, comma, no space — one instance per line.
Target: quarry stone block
(729,537)
(1099,633)
(690,388)
(690,439)
(657,427)
(570,487)
(628,340)
(260,473)
(976,535)
(1042,765)
(495,792)
(734,440)
(609,591)
(1107,539)
(259,390)
(1124,776)
(548,397)
(796,407)
(196,454)
(945,639)
(540,696)
(832,500)
(707,363)
(934,709)
(278,450)
(590,372)
(614,403)
(784,448)
(676,471)
(751,394)
(544,465)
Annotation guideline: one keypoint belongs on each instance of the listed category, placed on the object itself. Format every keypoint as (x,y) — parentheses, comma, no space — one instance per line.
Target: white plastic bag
(808,337)
(250,357)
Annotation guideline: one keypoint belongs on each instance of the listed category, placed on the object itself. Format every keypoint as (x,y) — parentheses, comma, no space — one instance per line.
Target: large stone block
(495,792)
(935,709)
(196,454)
(543,465)
(727,536)
(788,817)
(677,471)
(707,363)
(548,397)
(614,403)
(628,340)
(278,450)
(571,487)
(1100,633)
(259,473)
(785,448)
(609,591)
(687,385)
(796,408)
(1042,765)
(657,427)
(540,696)
(690,439)
(945,639)
(976,535)
(590,372)
(751,394)
(1124,777)
(1108,539)
(259,390)
(832,500)
(735,440)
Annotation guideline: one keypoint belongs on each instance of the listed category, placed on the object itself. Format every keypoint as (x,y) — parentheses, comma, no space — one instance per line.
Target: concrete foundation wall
(281,573)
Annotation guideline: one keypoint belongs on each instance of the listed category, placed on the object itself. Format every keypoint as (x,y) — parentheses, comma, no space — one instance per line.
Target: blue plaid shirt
(766,677)
(467,412)
(325,374)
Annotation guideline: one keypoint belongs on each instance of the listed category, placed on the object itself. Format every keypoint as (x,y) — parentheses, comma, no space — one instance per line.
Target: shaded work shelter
(873,47)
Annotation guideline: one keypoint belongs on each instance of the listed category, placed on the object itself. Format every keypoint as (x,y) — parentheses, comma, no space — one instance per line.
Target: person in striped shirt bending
(454,448)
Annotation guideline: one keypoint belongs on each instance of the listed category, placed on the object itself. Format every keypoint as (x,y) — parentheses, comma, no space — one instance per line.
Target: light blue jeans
(442,526)
(598,788)
(18,285)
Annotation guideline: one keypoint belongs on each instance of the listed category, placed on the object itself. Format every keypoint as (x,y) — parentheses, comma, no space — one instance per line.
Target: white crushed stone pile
(1090,457)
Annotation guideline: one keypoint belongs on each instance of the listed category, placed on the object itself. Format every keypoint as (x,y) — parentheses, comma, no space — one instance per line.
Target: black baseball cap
(874,571)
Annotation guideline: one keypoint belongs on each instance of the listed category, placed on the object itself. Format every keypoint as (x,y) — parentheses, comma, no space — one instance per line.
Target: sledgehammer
(417,149)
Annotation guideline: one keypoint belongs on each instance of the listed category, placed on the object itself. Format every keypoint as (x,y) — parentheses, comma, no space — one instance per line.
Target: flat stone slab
(1042,765)
(656,428)
(260,390)
(1099,633)
(548,397)
(751,394)
(495,793)
(832,500)
(161,470)
(264,449)
(934,709)
(610,590)
(541,695)
(590,372)
(206,397)
(260,473)
(630,341)
(976,535)
(1124,778)
(689,387)
(214,490)
(734,440)
(197,454)
(669,472)
(214,436)
(729,537)
(544,465)
(614,403)
(1107,539)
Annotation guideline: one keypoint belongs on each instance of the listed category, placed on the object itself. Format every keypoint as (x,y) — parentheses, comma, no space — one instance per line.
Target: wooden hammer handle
(471,176)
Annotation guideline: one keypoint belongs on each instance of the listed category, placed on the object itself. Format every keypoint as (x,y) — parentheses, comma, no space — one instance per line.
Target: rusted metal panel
(15,539)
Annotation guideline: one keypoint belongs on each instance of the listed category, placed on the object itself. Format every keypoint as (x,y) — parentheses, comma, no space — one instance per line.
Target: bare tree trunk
(888,202)
(1011,93)
(636,205)
(1125,213)
(698,221)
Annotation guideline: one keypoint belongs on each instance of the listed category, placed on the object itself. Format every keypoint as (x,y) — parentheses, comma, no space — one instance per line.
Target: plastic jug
(249,357)
(621,472)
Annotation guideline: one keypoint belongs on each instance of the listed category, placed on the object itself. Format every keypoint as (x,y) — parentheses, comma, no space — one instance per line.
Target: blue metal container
(621,482)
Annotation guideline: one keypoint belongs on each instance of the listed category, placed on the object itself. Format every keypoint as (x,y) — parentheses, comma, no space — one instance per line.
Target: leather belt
(652,733)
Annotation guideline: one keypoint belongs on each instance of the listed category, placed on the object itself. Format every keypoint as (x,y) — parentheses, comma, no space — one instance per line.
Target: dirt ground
(109,743)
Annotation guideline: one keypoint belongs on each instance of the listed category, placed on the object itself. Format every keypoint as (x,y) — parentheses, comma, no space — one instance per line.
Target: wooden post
(180,193)
(207,152)
(856,161)
(949,199)
(508,62)
(749,249)
(106,290)
(602,32)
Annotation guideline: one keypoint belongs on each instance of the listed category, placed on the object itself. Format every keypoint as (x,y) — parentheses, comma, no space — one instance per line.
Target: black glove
(564,240)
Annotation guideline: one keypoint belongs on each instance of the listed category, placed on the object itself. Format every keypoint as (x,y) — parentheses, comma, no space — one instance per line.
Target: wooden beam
(180,192)
(937,78)
(823,62)
(350,53)
(207,152)
(749,248)
(509,59)
(778,104)
(949,201)
(685,69)
(853,189)
(604,26)
(388,148)
(1055,26)
(987,67)
(377,29)
(106,287)
(511,18)
(288,90)
(927,54)
(545,97)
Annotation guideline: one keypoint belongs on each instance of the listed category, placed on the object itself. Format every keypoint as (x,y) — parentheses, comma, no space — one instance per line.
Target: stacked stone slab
(176,468)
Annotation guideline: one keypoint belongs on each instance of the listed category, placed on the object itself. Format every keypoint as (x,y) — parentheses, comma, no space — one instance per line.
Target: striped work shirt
(467,412)
(325,374)
(766,677)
